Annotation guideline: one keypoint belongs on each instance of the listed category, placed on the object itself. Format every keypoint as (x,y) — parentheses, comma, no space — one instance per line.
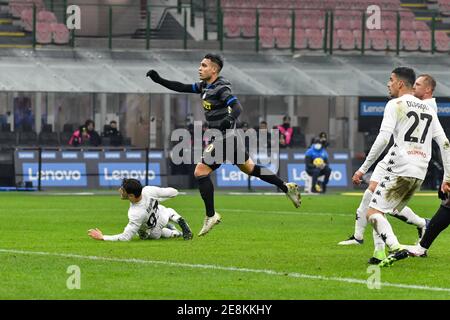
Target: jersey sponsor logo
(206,105)
(338,177)
(111,174)
(56,174)
(417,153)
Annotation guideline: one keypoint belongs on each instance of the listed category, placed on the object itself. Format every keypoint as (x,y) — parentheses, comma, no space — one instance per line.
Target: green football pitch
(263,249)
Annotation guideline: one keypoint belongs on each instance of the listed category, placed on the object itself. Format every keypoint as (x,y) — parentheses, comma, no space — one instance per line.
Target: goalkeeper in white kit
(147,218)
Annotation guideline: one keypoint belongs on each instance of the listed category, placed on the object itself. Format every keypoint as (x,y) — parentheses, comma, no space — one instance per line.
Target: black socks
(269,177)
(438,223)
(206,188)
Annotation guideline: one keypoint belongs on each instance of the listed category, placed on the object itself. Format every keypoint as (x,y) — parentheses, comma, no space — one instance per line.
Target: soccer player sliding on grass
(222,110)
(146,216)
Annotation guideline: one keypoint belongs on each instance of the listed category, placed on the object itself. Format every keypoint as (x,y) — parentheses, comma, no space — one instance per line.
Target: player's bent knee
(201,170)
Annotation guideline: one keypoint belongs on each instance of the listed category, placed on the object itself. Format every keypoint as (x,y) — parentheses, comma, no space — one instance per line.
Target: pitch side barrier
(291,167)
(91,168)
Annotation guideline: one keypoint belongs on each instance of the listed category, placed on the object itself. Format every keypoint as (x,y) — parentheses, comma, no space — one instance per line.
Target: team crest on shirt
(206,105)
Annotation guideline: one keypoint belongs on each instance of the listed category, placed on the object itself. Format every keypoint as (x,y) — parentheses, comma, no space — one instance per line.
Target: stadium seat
(420,26)
(48,139)
(345,39)
(358,39)
(315,38)
(442,41)
(301,41)
(424,38)
(281,19)
(26,17)
(342,24)
(391,37)
(406,14)
(60,33)
(406,24)
(266,37)
(43,33)
(8,139)
(231,24)
(46,16)
(282,37)
(409,40)
(444,7)
(247,21)
(377,39)
(388,24)
(27,138)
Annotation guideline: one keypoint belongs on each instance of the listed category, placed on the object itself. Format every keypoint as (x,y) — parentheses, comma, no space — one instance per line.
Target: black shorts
(230,149)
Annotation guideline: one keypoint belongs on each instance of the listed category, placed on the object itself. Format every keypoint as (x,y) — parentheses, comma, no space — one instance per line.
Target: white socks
(361,215)
(168,233)
(378,242)
(384,230)
(410,217)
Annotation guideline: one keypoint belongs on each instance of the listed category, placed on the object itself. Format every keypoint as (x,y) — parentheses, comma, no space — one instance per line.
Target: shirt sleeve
(389,117)
(437,128)
(378,146)
(130,230)
(162,194)
(444,146)
(197,87)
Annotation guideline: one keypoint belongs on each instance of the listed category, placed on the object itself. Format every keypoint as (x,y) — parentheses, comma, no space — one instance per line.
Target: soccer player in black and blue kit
(222,109)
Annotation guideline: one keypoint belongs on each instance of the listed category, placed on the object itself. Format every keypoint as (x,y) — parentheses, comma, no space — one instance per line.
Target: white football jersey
(432,103)
(413,124)
(383,163)
(147,210)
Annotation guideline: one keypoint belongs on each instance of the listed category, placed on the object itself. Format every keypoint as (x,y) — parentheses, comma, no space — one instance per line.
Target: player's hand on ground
(153,75)
(357,177)
(95,234)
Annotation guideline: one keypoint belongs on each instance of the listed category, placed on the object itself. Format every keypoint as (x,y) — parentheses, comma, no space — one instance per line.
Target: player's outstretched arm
(172,85)
(163,194)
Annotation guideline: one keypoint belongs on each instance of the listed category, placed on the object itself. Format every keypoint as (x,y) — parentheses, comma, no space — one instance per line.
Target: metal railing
(128,26)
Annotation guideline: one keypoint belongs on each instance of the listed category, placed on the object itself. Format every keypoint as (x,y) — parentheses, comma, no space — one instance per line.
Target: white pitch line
(217,267)
(287,212)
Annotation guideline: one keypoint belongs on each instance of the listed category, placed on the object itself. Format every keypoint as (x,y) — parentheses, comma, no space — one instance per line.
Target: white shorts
(162,219)
(379,172)
(394,192)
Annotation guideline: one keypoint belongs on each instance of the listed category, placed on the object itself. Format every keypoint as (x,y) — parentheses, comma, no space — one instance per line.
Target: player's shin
(361,215)
(383,228)
(410,217)
(269,177)
(206,188)
(439,222)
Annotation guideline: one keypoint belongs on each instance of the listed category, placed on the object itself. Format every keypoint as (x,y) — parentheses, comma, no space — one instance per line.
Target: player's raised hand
(357,177)
(152,74)
(95,234)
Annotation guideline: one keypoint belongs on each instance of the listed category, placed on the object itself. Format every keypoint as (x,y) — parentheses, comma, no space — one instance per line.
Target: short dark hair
(89,122)
(429,80)
(286,117)
(113,121)
(217,59)
(406,74)
(263,122)
(132,186)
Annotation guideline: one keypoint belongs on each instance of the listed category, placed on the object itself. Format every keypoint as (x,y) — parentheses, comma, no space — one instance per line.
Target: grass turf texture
(257,232)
